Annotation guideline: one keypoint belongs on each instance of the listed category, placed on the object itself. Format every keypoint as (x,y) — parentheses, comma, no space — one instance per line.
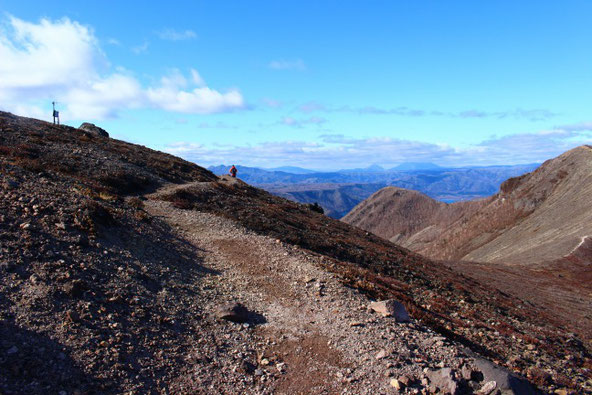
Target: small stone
(391,308)
(61,225)
(234,312)
(265,362)
(12,350)
(561,391)
(381,354)
(25,226)
(405,380)
(488,387)
(466,372)
(530,347)
(396,384)
(356,323)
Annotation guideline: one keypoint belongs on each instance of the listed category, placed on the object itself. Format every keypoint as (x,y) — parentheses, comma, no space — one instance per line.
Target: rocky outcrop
(93,129)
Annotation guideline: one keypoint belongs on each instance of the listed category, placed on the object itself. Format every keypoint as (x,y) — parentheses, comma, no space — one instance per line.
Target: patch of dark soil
(309,362)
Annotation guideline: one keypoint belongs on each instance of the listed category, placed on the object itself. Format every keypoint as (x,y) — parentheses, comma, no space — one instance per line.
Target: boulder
(505,381)
(93,129)
(391,308)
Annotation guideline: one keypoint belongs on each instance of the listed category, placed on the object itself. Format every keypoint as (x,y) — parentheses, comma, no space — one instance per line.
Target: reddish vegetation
(110,252)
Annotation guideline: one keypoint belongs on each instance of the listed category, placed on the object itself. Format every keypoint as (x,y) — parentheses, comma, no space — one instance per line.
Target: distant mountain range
(339,191)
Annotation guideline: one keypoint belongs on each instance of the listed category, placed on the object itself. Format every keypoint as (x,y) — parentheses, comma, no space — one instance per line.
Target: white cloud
(103,97)
(201,100)
(175,35)
(197,80)
(113,41)
(140,49)
(577,127)
(339,151)
(61,60)
(197,101)
(39,57)
(297,64)
(298,123)
(272,103)
(517,113)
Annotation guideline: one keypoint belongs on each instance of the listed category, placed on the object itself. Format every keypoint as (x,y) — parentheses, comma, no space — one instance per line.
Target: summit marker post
(56,114)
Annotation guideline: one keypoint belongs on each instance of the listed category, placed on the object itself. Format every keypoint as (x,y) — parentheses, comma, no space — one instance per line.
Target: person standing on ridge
(233,171)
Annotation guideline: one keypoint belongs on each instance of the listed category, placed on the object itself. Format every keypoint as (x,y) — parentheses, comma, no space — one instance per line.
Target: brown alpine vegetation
(127,270)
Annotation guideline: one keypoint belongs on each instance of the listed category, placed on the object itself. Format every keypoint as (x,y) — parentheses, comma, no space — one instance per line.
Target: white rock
(391,308)
(488,387)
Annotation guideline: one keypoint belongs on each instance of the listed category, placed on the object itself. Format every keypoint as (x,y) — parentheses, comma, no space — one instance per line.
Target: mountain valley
(339,192)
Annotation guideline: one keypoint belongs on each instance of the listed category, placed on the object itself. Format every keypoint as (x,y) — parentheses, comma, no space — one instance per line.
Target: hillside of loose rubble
(126,270)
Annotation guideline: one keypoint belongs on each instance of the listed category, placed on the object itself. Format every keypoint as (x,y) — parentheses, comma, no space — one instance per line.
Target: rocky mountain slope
(531,239)
(117,263)
(408,218)
(540,216)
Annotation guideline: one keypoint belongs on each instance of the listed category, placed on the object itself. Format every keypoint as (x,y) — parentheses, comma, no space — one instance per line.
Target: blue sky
(319,84)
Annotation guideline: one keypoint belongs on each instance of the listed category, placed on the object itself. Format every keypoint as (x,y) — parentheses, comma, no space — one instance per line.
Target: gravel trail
(314,335)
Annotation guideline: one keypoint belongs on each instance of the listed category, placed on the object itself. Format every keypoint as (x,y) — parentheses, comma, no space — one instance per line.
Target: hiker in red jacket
(233,171)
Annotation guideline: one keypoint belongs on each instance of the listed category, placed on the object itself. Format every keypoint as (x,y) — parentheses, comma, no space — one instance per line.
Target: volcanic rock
(93,129)
(391,308)
(234,312)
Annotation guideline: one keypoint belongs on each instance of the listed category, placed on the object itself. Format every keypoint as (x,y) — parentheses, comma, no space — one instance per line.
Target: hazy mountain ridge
(343,190)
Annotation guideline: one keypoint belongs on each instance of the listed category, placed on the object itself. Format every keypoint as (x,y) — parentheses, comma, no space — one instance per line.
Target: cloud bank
(517,113)
(335,151)
(62,60)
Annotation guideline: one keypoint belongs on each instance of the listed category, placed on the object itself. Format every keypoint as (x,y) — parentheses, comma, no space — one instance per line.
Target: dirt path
(315,335)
